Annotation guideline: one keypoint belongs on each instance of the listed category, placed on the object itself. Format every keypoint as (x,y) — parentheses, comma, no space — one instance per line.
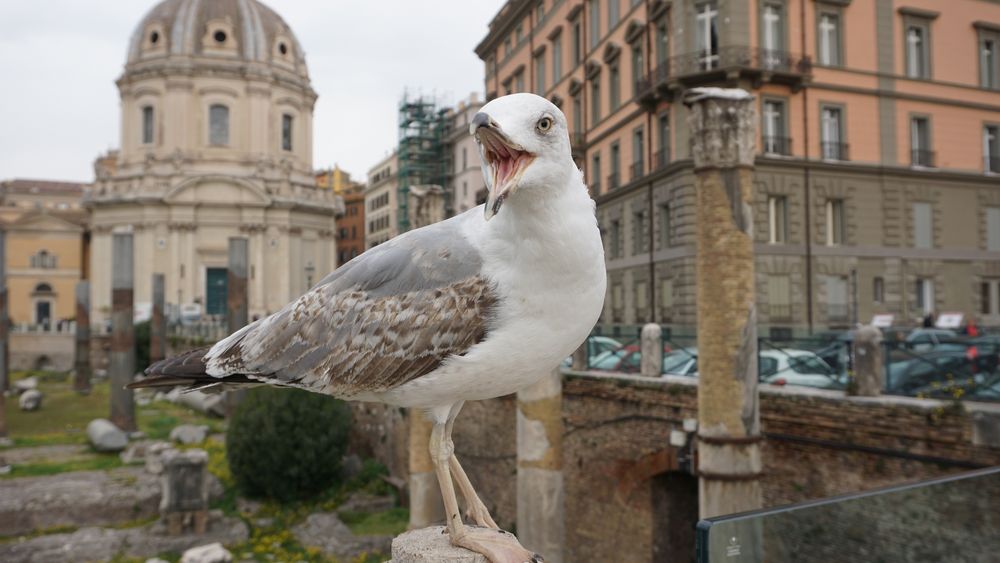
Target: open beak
(504,161)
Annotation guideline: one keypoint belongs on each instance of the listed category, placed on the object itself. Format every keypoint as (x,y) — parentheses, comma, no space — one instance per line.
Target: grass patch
(102,462)
(390,522)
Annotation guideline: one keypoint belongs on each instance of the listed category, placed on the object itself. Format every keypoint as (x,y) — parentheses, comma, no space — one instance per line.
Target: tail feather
(187,369)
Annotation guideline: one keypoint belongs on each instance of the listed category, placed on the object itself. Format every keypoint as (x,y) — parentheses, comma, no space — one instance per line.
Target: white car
(777,367)
(597,346)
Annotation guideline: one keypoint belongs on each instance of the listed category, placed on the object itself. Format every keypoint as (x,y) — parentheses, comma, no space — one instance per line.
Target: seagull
(475,307)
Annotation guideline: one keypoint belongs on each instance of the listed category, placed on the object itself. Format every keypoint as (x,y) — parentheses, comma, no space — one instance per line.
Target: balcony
(922,158)
(774,145)
(613,181)
(730,63)
(654,85)
(595,188)
(833,151)
(638,169)
(662,158)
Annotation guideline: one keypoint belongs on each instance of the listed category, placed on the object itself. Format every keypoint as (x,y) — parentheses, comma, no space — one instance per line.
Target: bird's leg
(498,546)
(475,509)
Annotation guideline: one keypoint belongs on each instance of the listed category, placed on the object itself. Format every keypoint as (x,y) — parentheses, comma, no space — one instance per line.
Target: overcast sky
(59,60)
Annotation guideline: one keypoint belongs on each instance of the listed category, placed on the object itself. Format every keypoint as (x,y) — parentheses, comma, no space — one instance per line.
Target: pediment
(43,221)
(218,190)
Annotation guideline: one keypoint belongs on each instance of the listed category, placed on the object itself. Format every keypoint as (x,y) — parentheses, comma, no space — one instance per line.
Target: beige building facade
(465,183)
(877,179)
(381,201)
(216,142)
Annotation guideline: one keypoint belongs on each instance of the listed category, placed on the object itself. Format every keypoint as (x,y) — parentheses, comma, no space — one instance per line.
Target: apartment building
(381,209)
(877,186)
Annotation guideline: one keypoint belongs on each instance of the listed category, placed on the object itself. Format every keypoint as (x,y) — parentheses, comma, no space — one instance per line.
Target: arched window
(286,132)
(147,125)
(43,288)
(218,125)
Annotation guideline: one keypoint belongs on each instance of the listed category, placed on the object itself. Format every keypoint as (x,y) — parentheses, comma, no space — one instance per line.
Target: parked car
(627,359)
(934,370)
(798,367)
(596,345)
(925,339)
(778,367)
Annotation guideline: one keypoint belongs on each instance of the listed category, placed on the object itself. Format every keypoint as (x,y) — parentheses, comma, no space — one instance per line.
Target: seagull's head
(524,146)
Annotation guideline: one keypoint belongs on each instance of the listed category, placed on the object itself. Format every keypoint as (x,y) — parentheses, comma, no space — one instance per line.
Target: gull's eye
(544,124)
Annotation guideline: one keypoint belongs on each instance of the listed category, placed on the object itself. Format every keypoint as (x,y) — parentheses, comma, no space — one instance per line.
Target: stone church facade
(216,142)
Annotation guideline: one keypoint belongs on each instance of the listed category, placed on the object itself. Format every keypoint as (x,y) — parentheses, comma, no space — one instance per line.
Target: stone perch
(869,379)
(431,545)
(652,350)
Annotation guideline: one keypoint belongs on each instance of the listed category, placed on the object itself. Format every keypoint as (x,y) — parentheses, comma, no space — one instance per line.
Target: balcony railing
(638,169)
(731,57)
(613,181)
(833,151)
(919,157)
(646,86)
(662,158)
(992,163)
(776,145)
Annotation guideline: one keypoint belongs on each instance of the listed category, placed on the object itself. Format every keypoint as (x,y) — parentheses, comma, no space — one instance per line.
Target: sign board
(949,320)
(883,320)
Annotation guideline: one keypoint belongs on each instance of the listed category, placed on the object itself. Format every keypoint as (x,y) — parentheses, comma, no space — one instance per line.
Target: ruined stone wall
(629,498)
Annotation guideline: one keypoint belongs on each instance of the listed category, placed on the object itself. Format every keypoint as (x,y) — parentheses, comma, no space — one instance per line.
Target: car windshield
(675,361)
(808,364)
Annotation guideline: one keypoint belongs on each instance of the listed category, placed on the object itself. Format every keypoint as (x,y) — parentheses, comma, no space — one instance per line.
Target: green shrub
(287,444)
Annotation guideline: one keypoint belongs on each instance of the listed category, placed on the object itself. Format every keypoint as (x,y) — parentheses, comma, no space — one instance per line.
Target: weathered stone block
(105,436)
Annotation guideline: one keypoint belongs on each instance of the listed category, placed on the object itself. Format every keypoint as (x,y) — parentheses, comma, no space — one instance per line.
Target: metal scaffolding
(421,151)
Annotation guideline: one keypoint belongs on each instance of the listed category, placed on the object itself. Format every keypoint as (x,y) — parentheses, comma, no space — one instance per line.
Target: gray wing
(392,314)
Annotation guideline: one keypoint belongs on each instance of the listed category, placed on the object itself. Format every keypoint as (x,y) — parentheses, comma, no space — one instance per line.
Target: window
(506,46)
(666,297)
(641,302)
(989,62)
(614,240)
(991,148)
(922,226)
(638,153)
(147,125)
(989,305)
(637,69)
(666,237)
(834,222)
(518,33)
(663,156)
(993,229)
(577,42)
(465,158)
(773,125)
(836,297)
(595,100)
(920,142)
(617,301)
(832,134)
(286,132)
(924,294)
(707,36)
(540,74)
(878,290)
(519,82)
(640,236)
(595,173)
(595,23)
(577,114)
(777,219)
(772,33)
(614,87)
(917,50)
(828,47)
(662,43)
(218,125)
(779,297)
(613,15)
(556,59)
(540,11)
(43,260)
(615,166)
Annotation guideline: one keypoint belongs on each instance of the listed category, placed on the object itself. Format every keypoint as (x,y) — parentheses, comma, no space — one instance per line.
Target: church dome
(216,31)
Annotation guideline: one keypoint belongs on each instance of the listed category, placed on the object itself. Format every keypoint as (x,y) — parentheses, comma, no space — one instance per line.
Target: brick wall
(623,480)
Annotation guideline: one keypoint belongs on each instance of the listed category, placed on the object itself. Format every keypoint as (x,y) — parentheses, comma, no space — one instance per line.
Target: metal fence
(957,368)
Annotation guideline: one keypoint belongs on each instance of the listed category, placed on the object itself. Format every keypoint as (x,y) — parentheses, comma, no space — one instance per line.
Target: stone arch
(218,190)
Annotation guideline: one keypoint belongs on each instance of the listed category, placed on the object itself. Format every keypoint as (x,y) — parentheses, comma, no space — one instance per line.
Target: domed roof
(227,29)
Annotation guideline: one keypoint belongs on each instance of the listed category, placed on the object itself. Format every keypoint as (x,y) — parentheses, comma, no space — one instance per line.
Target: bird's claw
(497,545)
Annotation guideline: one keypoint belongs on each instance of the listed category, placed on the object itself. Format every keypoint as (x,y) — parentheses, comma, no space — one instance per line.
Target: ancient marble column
(81,361)
(540,489)
(426,506)
(121,360)
(722,123)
